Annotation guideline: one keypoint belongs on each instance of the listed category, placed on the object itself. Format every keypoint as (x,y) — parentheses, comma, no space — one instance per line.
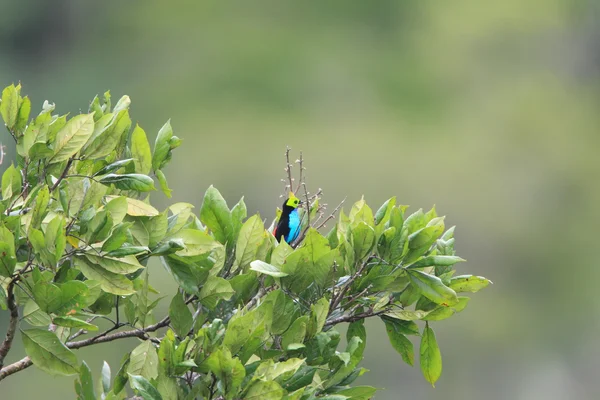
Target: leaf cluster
(253,318)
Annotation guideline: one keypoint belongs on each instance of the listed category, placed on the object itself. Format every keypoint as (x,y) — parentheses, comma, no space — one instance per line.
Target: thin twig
(82,331)
(332,216)
(12,325)
(337,299)
(288,169)
(63,175)
(301,162)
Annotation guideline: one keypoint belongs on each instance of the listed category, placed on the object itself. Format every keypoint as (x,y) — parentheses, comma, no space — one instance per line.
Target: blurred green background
(489,111)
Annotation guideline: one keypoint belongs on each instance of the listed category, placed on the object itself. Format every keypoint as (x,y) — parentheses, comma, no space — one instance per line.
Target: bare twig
(301,162)
(332,216)
(12,325)
(288,170)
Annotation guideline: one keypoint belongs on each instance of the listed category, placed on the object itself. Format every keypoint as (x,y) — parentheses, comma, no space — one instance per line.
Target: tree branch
(355,317)
(102,338)
(337,299)
(12,325)
(63,175)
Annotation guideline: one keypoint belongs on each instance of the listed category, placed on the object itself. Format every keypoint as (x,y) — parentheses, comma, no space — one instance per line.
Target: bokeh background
(489,111)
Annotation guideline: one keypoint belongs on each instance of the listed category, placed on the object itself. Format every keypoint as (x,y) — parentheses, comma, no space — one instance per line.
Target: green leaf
(433,288)
(121,378)
(47,296)
(103,142)
(137,208)
(106,375)
(266,268)
(280,253)
(162,147)
(431,358)
(8,258)
(140,151)
(230,371)
(144,388)
(99,227)
(72,322)
(11,183)
(358,392)
(296,333)
(400,342)
(9,107)
(34,316)
(124,265)
(215,214)
(309,264)
(403,327)
(138,182)
(363,239)
(117,238)
(55,238)
(251,236)
(215,289)
(162,180)
(35,134)
(238,215)
(71,138)
(318,316)
(144,361)
(407,315)
(246,332)
(355,350)
(72,296)
(270,370)
(284,310)
(435,261)
(181,316)
(468,283)
(48,353)
(85,386)
(117,207)
(361,212)
(40,207)
(109,281)
(112,167)
(196,242)
(23,115)
(383,214)
(265,390)
(128,251)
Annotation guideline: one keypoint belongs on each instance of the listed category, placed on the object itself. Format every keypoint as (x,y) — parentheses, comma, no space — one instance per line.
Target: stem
(63,175)
(12,325)
(336,300)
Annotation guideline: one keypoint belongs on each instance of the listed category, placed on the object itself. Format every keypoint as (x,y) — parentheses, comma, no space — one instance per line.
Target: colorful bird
(288,225)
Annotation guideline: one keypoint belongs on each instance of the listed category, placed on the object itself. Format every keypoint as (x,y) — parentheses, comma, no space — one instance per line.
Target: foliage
(253,319)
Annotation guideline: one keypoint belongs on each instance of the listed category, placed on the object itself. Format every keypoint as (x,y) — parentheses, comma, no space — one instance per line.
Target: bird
(288,226)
